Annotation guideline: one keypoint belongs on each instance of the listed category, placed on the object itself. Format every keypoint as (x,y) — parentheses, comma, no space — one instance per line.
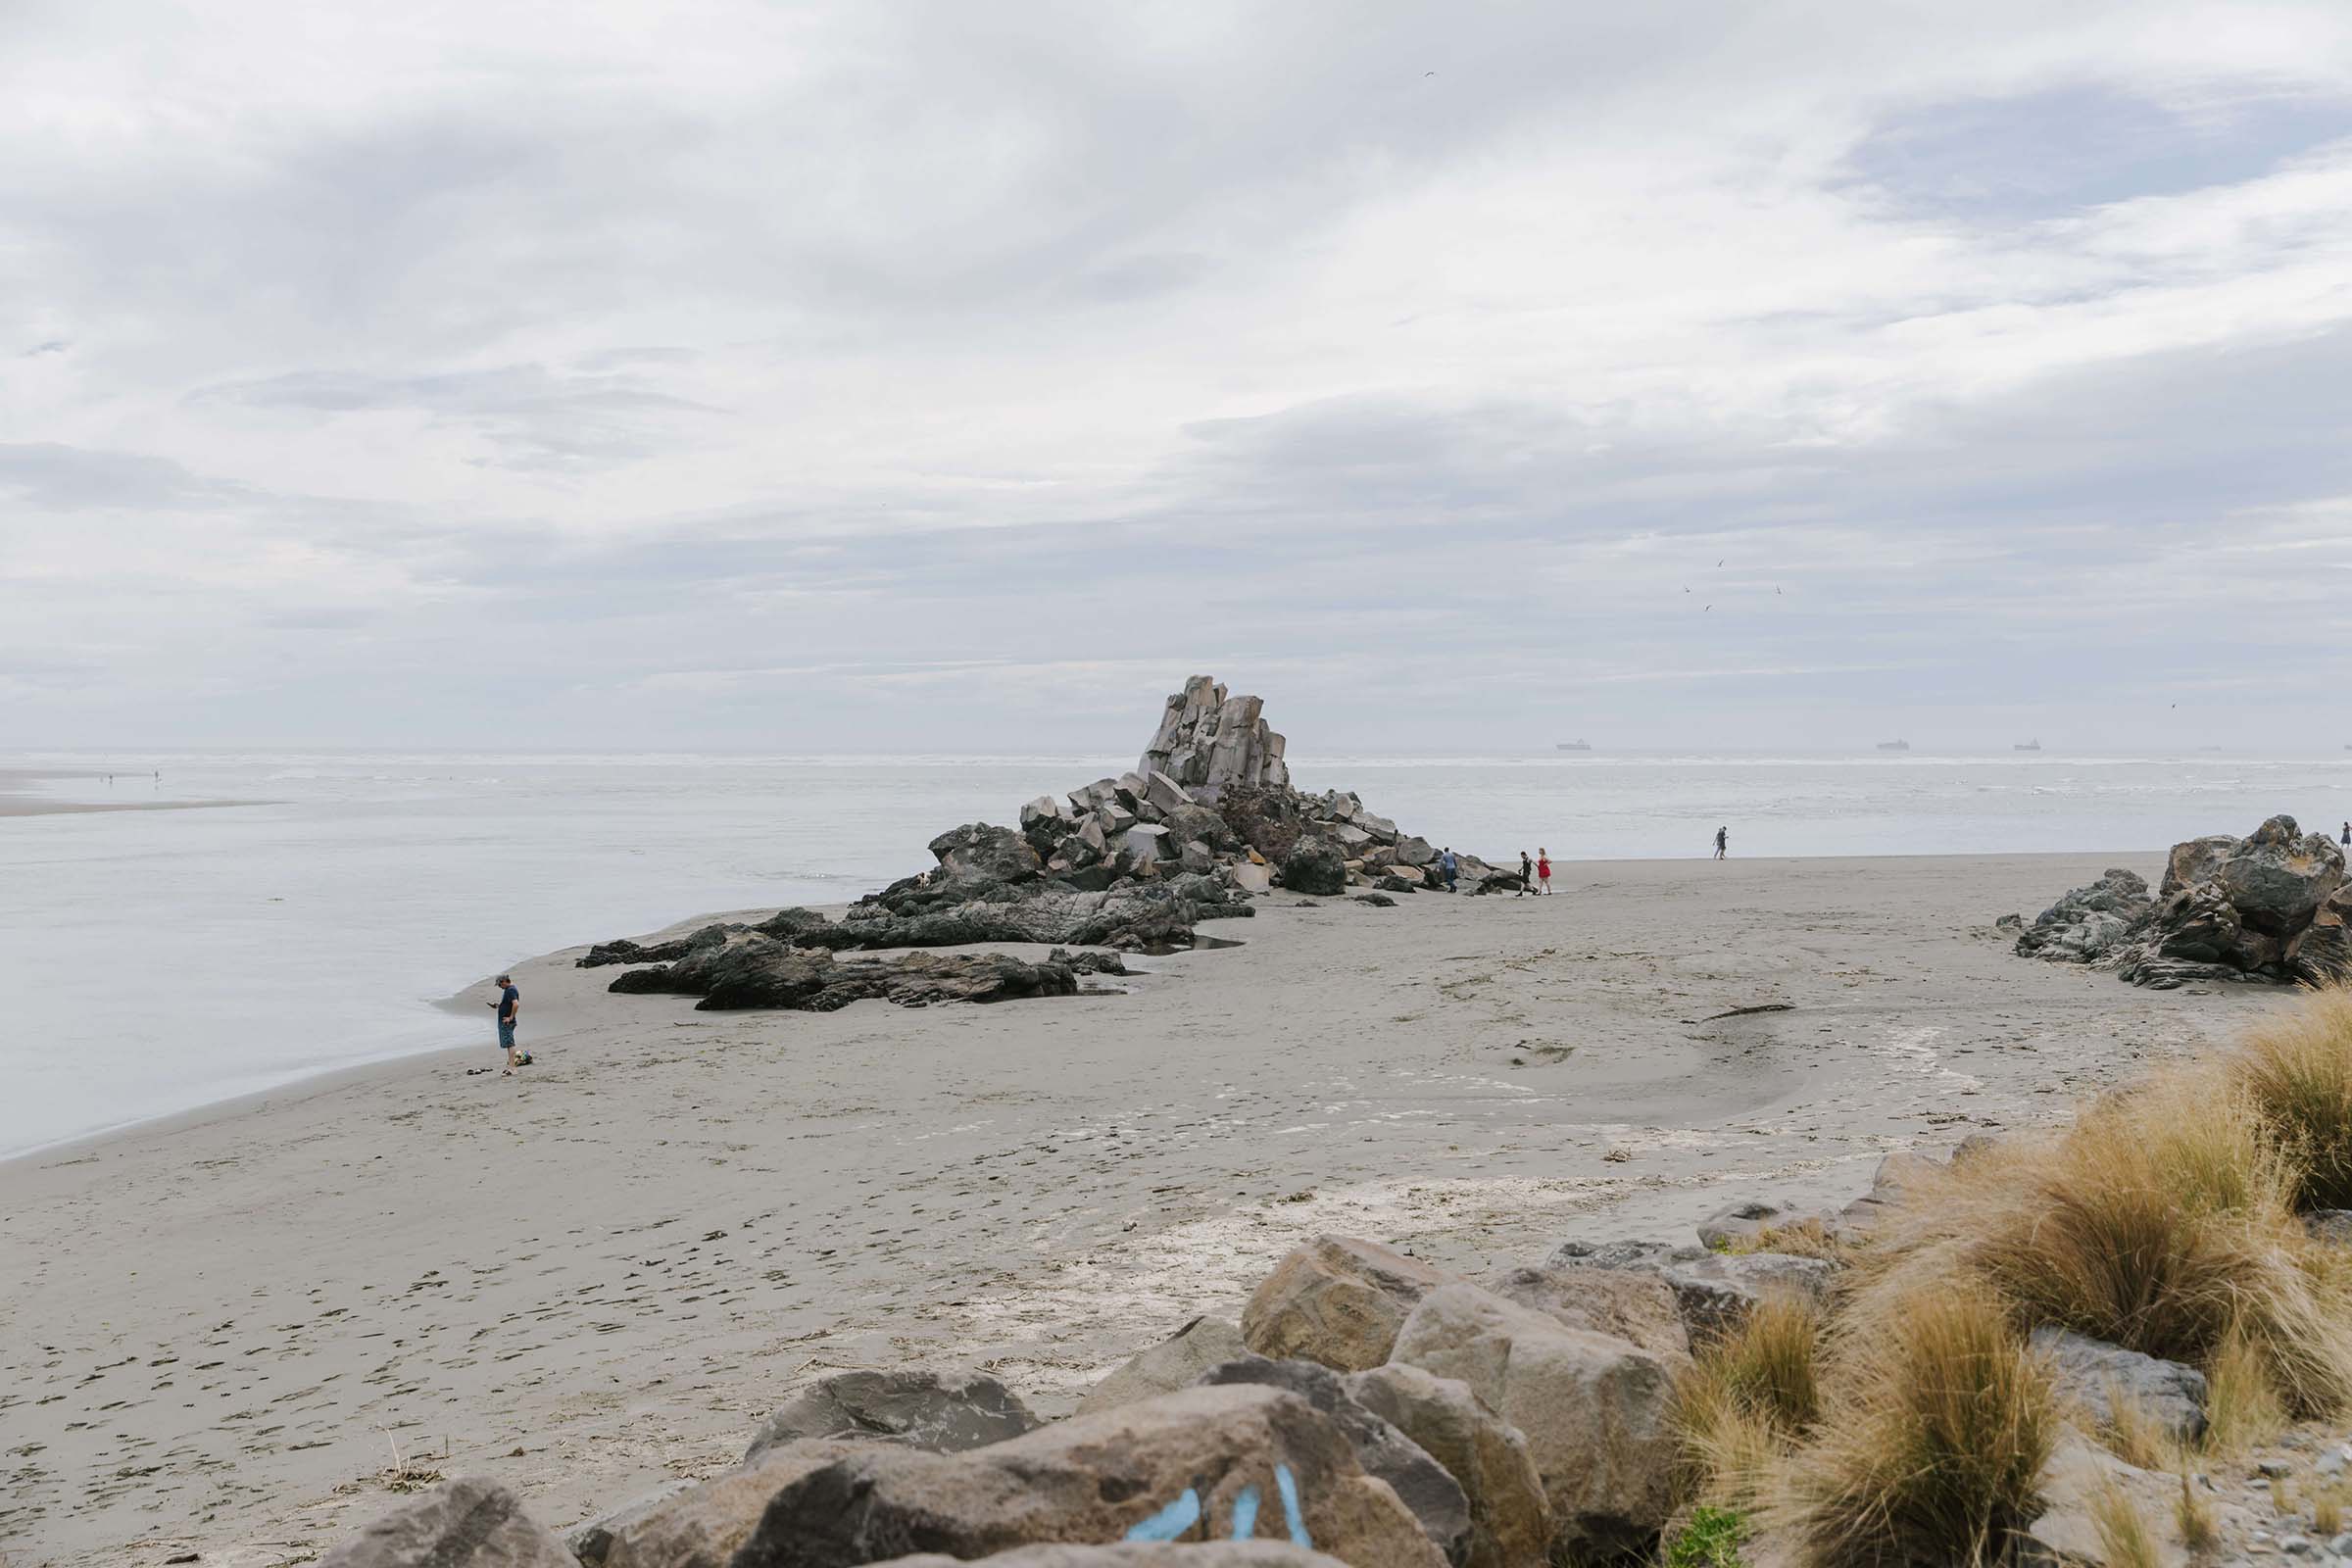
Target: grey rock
(466,1523)
(945,1411)
(590,1539)
(1742,1223)
(2279,878)
(1175,1362)
(1713,1293)
(2331,1225)
(2088,1371)
(1414,852)
(1378,901)
(1422,1484)
(1510,1515)
(1632,1304)
(2090,922)
(701,1525)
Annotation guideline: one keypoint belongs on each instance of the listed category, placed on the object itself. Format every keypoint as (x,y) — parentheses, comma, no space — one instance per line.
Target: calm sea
(151,961)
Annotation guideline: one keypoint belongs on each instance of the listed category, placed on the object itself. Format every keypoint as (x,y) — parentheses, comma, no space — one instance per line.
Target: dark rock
(1313,866)
(978,852)
(1415,852)
(1088,963)
(701,1525)
(944,1412)
(465,1523)
(744,969)
(1175,1362)
(1419,1482)
(627,951)
(785,924)
(1392,883)
(1378,901)
(1180,1466)
(2093,1373)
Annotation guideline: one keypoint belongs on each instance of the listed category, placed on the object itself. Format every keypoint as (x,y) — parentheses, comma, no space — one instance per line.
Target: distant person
(2348,835)
(1527,874)
(1723,842)
(1446,864)
(1544,867)
(509,1008)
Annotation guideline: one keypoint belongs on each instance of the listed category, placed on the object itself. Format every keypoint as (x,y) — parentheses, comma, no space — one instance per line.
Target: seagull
(1719,562)
(1703,611)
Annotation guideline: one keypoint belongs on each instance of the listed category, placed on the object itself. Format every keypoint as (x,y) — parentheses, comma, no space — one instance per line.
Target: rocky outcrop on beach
(1207,822)
(2271,907)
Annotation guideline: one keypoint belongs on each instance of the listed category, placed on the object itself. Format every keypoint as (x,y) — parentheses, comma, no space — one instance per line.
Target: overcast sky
(920,377)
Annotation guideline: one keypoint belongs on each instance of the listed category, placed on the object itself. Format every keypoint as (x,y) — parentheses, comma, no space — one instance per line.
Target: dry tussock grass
(1746,1399)
(1931,1444)
(2295,1072)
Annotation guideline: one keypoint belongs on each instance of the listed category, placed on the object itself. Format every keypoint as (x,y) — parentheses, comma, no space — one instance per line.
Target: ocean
(154,961)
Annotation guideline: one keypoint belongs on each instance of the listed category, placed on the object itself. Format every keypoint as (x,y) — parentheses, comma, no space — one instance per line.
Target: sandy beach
(216,1332)
(18,800)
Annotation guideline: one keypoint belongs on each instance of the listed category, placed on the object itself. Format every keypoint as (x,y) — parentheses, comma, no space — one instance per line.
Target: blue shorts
(506,1037)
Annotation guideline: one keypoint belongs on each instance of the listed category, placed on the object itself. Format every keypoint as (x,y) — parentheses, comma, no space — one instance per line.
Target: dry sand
(215,1333)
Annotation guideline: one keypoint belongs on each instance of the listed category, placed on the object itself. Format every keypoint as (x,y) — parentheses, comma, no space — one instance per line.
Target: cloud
(872,376)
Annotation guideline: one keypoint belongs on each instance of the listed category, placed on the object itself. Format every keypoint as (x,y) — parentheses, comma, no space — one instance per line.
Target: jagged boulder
(979,852)
(2278,878)
(2195,860)
(1338,1300)
(1597,1410)
(1420,1483)
(2090,922)
(466,1523)
(1315,866)
(1510,1517)
(944,1411)
(1205,1463)
(1714,1292)
(1211,742)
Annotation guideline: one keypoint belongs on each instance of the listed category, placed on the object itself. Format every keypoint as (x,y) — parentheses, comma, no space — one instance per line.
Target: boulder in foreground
(701,1525)
(1206,1465)
(1260,1554)
(466,1523)
(1510,1517)
(1338,1300)
(1597,1410)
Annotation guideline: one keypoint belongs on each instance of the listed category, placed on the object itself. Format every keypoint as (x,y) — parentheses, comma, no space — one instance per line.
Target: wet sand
(215,1331)
(17,800)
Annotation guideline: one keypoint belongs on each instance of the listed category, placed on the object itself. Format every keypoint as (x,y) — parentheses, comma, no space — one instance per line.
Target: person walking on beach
(2348,835)
(1723,842)
(509,1007)
(1543,868)
(1447,864)
(1527,874)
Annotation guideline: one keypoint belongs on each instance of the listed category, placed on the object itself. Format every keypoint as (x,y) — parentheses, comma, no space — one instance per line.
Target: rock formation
(1208,821)
(2273,906)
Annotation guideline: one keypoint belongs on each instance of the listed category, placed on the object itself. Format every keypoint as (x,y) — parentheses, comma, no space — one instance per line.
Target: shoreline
(207,1111)
(599,1274)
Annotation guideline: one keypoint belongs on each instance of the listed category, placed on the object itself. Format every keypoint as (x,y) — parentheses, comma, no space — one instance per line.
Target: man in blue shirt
(509,1007)
(1447,864)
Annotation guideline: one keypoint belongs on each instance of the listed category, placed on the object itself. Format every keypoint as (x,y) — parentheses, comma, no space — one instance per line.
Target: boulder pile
(2273,906)
(1207,822)
(1368,1408)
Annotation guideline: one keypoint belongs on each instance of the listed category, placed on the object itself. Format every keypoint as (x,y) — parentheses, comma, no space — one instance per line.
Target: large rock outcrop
(745,970)
(2272,906)
(1208,742)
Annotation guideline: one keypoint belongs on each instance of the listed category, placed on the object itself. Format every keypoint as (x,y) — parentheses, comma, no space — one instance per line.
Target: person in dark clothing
(1446,864)
(1527,874)
(1723,842)
(508,1008)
